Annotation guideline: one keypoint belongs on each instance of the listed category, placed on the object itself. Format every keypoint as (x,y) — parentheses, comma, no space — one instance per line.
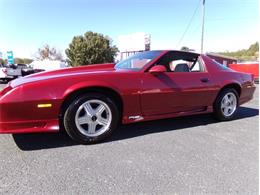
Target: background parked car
(13,71)
(25,69)
(4,77)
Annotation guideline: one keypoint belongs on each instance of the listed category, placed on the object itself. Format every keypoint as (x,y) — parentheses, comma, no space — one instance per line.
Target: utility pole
(203,21)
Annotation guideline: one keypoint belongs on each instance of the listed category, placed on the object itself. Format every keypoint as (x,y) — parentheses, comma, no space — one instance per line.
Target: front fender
(88,84)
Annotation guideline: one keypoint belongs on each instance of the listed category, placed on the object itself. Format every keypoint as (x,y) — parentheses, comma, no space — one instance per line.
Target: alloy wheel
(228,104)
(93,118)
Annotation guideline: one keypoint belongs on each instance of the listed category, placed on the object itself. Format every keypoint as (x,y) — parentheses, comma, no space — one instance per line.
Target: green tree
(22,61)
(184,48)
(2,61)
(47,52)
(18,61)
(91,48)
(27,60)
(244,54)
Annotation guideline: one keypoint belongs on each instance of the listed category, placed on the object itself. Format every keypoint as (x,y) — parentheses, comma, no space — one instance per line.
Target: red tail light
(252,77)
(4,70)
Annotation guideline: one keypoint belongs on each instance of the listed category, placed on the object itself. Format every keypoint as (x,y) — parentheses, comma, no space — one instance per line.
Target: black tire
(70,114)
(218,113)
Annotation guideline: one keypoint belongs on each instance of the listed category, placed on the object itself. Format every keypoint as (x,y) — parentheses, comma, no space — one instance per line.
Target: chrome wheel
(229,104)
(93,118)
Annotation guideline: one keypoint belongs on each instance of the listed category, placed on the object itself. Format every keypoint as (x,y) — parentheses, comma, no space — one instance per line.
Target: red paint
(151,96)
(252,68)
(157,69)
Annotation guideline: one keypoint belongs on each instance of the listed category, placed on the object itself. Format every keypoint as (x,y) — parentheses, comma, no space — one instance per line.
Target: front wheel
(91,118)
(226,105)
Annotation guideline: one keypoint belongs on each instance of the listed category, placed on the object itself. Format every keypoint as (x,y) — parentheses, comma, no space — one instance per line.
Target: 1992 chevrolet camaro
(90,101)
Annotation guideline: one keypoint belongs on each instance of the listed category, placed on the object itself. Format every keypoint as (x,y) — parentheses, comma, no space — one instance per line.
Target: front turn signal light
(44,105)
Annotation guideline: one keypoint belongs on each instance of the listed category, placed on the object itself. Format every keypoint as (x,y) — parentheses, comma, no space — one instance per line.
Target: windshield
(137,61)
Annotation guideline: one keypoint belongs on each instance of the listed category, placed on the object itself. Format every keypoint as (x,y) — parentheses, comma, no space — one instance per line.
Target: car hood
(82,70)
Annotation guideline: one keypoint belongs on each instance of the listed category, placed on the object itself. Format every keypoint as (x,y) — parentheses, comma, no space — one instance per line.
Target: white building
(48,64)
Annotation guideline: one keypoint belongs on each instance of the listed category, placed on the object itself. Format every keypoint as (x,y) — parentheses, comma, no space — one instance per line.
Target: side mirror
(157,69)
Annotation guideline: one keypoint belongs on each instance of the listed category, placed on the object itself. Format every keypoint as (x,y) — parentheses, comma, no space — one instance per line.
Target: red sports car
(90,101)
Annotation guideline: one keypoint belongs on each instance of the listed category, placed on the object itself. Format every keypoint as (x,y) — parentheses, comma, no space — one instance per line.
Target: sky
(26,25)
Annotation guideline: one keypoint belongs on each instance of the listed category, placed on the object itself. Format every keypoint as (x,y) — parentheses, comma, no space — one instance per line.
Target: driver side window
(178,61)
(185,66)
(180,65)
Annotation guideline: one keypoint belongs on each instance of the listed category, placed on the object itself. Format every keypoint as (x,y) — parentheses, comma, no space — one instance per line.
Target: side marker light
(44,105)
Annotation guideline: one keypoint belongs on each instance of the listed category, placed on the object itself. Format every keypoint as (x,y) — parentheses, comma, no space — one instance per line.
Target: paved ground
(190,155)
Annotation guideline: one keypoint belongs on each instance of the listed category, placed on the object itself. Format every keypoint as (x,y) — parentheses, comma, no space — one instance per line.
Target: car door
(174,92)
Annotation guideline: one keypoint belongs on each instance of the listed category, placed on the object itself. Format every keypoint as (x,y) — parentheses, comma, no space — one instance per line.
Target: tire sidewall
(70,113)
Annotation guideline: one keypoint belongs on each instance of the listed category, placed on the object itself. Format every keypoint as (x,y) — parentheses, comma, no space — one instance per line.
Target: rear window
(222,66)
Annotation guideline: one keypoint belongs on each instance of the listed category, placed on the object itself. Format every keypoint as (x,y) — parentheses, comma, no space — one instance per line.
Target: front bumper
(27,117)
(29,126)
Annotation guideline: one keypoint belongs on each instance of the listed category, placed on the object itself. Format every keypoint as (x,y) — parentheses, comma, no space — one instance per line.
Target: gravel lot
(190,155)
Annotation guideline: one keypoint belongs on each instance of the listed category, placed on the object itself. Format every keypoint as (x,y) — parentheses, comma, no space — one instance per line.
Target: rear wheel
(226,104)
(91,118)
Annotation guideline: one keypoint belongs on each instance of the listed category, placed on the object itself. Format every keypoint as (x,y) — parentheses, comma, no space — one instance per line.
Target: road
(189,155)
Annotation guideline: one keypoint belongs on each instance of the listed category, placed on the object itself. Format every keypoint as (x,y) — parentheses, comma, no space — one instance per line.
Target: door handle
(204,80)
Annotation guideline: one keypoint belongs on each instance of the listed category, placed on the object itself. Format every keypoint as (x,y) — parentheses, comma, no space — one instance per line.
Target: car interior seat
(182,68)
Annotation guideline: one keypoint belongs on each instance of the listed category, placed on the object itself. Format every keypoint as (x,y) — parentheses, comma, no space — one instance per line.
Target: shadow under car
(39,141)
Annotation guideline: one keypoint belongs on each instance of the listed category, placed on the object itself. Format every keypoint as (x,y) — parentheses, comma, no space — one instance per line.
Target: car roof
(179,51)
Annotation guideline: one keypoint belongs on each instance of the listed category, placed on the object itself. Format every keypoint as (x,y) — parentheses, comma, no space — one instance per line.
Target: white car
(4,77)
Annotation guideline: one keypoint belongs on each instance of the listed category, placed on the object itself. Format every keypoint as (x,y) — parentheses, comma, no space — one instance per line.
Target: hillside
(250,54)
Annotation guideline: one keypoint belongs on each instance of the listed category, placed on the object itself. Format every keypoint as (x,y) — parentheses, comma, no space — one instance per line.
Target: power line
(188,26)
